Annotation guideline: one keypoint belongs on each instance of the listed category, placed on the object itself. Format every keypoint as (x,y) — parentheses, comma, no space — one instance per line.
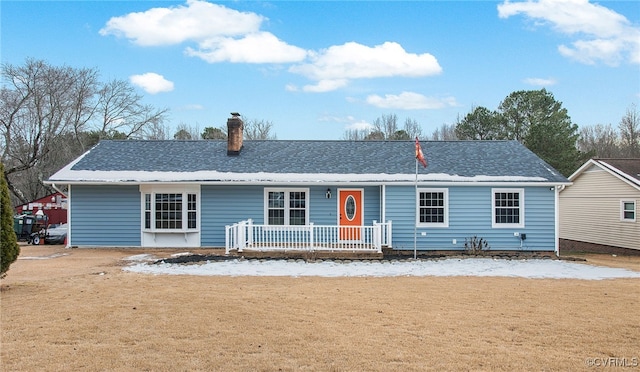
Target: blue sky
(317,68)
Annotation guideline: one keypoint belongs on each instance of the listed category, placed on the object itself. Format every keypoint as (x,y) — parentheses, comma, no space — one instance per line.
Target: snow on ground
(524,268)
(55,255)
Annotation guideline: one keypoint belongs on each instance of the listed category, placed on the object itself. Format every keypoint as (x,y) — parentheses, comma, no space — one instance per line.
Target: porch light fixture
(328,194)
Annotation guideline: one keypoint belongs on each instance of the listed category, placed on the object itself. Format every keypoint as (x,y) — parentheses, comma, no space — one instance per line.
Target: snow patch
(69,175)
(534,268)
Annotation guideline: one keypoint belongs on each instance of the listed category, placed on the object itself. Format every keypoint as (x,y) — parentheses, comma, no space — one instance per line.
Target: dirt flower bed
(73,309)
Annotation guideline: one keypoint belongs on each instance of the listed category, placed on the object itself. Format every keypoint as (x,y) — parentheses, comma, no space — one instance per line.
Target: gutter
(58,190)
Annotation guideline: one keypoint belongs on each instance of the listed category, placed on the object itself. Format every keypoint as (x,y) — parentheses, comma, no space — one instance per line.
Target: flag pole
(415,222)
(419,158)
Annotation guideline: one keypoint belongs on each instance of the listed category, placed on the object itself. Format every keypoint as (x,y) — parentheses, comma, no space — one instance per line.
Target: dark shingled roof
(630,168)
(463,158)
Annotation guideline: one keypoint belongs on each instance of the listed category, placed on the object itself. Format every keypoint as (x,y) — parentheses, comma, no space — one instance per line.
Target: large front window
(508,207)
(174,210)
(433,208)
(286,206)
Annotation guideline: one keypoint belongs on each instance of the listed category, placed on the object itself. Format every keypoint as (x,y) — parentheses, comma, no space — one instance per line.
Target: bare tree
(386,124)
(39,103)
(258,130)
(356,134)
(50,114)
(601,141)
(412,128)
(375,135)
(446,132)
(156,131)
(185,132)
(630,133)
(211,133)
(120,109)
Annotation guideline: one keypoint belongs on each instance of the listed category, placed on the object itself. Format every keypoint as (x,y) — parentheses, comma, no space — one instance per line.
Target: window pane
(432,207)
(276,199)
(507,207)
(168,211)
(276,217)
(297,217)
(147,211)
(297,199)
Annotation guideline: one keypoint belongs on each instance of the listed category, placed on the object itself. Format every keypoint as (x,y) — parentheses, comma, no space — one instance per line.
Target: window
(286,206)
(433,208)
(147,211)
(191,211)
(628,210)
(170,210)
(508,208)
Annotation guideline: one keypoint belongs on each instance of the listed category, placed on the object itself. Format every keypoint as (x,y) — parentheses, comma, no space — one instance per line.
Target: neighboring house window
(433,208)
(508,208)
(628,210)
(286,206)
(167,210)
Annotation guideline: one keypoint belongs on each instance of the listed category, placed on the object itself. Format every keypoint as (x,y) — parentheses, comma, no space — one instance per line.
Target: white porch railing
(247,235)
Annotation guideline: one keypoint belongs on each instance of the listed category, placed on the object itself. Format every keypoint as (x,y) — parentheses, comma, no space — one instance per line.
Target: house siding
(590,210)
(225,205)
(470,215)
(105,216)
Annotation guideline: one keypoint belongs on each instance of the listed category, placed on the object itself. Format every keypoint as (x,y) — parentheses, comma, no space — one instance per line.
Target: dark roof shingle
(462,158)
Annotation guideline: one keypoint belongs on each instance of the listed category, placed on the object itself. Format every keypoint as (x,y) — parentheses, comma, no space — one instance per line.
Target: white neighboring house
(599,211)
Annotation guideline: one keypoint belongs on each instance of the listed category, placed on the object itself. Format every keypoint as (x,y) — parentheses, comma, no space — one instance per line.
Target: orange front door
(350,209)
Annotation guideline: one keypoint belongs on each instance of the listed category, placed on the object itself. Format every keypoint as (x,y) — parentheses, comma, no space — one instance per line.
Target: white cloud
(325,86)
(603,35)
(259,47)
(333,67)
(199,20)
(540,81)
(351,123)
(410,101)
(359,125)
(221,34)
(152,83)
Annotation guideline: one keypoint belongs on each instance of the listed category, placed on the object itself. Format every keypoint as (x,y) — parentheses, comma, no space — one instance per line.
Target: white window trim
(171,189)
(622,210)
(493,209)
(446,208)
(286,191)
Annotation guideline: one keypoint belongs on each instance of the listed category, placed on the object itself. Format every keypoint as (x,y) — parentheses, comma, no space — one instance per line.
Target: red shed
(53,205)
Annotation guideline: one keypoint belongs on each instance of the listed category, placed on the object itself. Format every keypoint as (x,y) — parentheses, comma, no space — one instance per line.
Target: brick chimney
(235,128)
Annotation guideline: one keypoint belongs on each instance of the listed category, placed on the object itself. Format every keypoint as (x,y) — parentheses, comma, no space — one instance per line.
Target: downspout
(383,202)
(557,218)
(68,211)
(58,190)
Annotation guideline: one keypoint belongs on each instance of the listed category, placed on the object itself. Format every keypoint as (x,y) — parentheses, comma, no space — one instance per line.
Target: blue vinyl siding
(226,205)
(105,216)
(111,215)
(469,215)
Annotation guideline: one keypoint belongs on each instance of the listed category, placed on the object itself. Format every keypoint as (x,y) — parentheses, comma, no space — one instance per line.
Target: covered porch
(247,236)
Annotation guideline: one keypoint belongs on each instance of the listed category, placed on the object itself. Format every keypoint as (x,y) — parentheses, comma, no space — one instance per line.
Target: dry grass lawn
(80,311)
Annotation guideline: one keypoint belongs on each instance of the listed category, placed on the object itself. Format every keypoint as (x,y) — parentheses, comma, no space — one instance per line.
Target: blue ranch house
(359,196)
